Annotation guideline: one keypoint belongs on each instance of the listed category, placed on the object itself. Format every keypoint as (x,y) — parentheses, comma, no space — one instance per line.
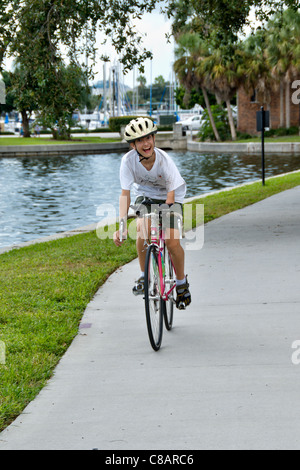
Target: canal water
(43,196)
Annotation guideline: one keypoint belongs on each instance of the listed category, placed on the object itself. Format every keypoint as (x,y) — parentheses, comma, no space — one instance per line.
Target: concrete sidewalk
(224,378)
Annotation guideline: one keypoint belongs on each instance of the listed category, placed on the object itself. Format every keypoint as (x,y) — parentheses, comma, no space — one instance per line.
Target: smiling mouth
(147,151)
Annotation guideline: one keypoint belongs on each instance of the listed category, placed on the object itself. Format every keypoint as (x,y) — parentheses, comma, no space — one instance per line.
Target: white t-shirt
(156,183)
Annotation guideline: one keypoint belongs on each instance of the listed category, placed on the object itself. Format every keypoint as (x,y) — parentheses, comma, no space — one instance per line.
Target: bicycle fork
(162,271)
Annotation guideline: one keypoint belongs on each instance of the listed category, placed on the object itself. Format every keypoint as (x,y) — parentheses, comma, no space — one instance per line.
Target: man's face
(145,146)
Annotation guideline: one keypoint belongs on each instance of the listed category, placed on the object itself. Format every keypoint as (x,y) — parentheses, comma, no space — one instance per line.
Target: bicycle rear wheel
(153,300)
(169,283)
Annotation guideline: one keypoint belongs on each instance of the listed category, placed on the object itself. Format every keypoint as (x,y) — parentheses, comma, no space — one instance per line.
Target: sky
(154,27)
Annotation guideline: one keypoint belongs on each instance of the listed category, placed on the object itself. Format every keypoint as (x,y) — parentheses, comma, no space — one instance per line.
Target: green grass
(222,203)
(46,287)
(49,141)
(287,138)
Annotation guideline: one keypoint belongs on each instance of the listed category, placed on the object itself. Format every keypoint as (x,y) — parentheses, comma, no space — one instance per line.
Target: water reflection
(212,172)
(42,196)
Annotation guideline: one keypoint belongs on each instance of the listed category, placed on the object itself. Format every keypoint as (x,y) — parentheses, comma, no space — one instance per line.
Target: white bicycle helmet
(138,128)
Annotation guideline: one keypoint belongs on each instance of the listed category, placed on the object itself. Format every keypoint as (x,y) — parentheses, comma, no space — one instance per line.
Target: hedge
(115,123)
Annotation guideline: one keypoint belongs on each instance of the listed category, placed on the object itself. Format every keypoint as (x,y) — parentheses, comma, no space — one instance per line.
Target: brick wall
(247,111)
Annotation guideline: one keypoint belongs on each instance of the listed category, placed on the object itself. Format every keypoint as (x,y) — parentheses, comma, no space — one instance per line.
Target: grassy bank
(46,287)
(49,141)
(217,205)
(44,291)
(274,140)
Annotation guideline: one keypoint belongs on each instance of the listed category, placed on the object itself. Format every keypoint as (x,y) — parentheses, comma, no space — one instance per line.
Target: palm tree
(222,75)
(283,52)
(255,67)
(190,51)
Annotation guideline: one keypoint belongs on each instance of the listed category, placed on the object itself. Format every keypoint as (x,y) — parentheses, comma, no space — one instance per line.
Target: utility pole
(262,121)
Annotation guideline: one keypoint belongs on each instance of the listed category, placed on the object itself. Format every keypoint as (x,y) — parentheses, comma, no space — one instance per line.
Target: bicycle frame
(157,238)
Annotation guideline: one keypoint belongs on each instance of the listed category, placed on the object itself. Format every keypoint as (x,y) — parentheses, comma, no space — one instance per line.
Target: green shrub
(100,129)
(294,130)
(282,131)
(270,133)
(221,120)
(243,136)
(115,123)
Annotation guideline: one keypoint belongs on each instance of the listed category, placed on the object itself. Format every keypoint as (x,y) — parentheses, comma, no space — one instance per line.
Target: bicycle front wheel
(169,287)
(153,300)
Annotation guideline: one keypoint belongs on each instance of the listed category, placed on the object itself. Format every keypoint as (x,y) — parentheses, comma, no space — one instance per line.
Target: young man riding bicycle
(155,176)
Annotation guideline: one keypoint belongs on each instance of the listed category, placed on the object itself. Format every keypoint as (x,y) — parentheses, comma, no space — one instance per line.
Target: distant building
(284,109)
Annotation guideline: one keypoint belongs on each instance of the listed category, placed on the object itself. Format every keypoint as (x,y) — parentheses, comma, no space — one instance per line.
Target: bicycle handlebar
(163,208)
(147,202)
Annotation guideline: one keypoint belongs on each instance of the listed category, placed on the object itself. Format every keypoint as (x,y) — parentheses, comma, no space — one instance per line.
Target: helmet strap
(142,158)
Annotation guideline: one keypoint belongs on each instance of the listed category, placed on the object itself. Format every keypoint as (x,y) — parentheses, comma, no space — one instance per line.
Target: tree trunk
(231,121)
(281,106)
(25,123)
(211,118)
(287,105)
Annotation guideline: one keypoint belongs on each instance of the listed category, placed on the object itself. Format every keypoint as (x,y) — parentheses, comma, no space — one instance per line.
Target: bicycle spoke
(153,302)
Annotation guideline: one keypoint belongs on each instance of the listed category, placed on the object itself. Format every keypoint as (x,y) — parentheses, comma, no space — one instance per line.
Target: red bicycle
(160,275)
